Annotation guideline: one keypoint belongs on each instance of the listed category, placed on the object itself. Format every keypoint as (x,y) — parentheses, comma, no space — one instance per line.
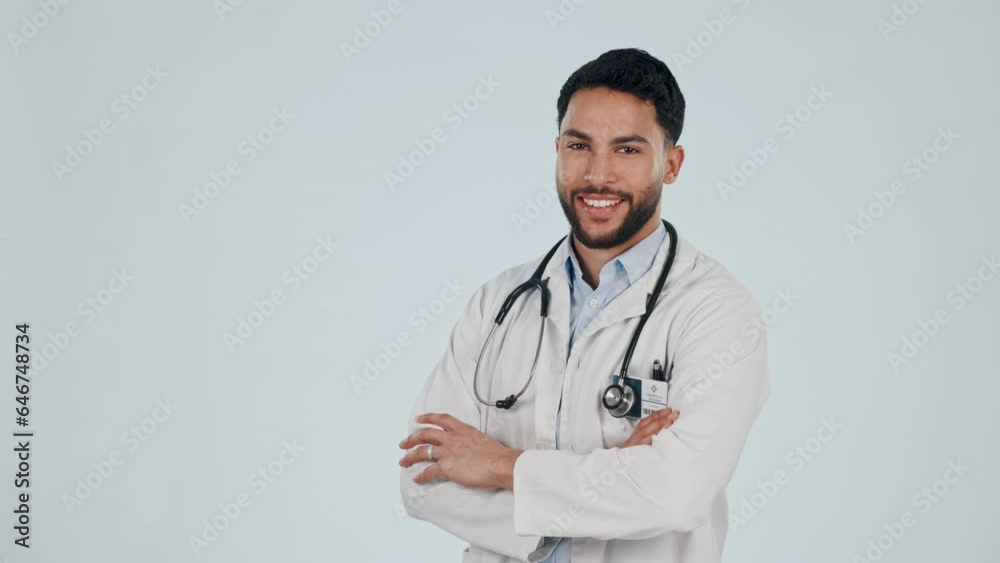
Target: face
(611,164)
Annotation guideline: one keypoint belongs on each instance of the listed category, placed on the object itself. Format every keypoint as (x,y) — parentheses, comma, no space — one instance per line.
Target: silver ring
(429,446)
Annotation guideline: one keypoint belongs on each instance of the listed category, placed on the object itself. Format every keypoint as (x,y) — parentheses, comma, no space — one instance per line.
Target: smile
(601,202)
(601,206)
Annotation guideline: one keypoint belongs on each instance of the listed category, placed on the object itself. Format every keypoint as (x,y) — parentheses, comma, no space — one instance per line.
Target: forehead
(605,113)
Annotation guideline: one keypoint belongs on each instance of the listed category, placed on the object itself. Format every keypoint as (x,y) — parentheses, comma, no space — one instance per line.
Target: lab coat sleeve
(645,491)
(484,518)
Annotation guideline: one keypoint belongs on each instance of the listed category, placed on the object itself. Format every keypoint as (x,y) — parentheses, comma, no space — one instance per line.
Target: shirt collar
(635,261)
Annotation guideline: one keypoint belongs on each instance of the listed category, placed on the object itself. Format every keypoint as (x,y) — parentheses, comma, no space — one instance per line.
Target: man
(556,477)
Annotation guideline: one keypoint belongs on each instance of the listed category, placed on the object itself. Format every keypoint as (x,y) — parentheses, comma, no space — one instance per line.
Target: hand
(643,433)
(462,454)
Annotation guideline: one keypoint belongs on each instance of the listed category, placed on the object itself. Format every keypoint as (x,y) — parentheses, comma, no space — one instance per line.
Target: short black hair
(636,72)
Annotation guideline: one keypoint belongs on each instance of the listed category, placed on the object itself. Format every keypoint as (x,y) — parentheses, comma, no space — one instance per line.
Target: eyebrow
(616,141)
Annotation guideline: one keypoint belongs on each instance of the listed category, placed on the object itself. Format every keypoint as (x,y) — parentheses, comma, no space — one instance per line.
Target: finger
(656,418)
(643,437)
(670,416)
(418,454)
(649,421)
(646,426)
(432,472)
(663,422)
(653,418)
(667,421)
(443,420)
(410,458)
(639,441)
(423,436)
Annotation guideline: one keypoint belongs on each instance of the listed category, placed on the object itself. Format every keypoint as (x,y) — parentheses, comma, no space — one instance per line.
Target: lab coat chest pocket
(616,430)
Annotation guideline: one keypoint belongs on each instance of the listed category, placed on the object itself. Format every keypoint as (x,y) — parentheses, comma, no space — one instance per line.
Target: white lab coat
(665,502)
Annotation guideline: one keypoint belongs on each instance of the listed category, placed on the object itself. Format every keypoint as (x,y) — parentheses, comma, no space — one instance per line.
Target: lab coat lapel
(551,368)
(559,302)
(631,302)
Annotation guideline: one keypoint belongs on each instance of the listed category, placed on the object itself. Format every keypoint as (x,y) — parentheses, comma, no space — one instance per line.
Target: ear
(672,164)
(557,144)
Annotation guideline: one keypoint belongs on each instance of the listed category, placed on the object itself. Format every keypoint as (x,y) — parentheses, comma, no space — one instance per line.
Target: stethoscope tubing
(535,282)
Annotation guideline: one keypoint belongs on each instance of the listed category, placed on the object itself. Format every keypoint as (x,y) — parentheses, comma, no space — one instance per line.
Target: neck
(592,260)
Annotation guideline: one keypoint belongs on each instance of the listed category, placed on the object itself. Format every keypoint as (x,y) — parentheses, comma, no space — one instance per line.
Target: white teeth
(601,202)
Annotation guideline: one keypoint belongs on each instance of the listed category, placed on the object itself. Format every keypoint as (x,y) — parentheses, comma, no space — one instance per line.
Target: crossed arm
(505,499)
(471,458)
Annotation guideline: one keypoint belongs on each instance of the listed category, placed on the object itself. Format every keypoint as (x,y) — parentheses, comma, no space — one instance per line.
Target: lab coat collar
(630,303)
(632,261)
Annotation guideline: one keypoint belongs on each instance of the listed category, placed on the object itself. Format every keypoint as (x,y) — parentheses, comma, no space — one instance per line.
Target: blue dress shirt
(585,303)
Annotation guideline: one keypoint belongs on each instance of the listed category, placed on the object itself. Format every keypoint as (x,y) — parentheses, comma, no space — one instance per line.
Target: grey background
(62,239)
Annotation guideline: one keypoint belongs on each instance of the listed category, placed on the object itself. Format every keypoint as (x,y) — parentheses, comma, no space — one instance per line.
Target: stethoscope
(618,398)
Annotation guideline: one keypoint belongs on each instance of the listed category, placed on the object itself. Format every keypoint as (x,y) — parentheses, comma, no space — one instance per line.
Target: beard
(640,210)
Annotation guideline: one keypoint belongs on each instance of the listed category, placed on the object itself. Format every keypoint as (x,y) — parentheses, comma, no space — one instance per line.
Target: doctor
(555,474)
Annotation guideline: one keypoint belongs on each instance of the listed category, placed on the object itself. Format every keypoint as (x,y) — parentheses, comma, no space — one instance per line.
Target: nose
(599,170)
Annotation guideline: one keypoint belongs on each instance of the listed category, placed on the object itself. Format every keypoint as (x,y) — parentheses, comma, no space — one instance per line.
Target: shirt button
(593,303)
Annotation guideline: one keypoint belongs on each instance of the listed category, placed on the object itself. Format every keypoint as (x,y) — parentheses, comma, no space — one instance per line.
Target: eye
(633,149)
(574,145)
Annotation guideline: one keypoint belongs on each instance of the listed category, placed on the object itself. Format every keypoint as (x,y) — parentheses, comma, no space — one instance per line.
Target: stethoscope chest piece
(618,399)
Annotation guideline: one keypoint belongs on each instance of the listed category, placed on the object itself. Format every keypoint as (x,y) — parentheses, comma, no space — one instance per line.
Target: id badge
(651,396)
